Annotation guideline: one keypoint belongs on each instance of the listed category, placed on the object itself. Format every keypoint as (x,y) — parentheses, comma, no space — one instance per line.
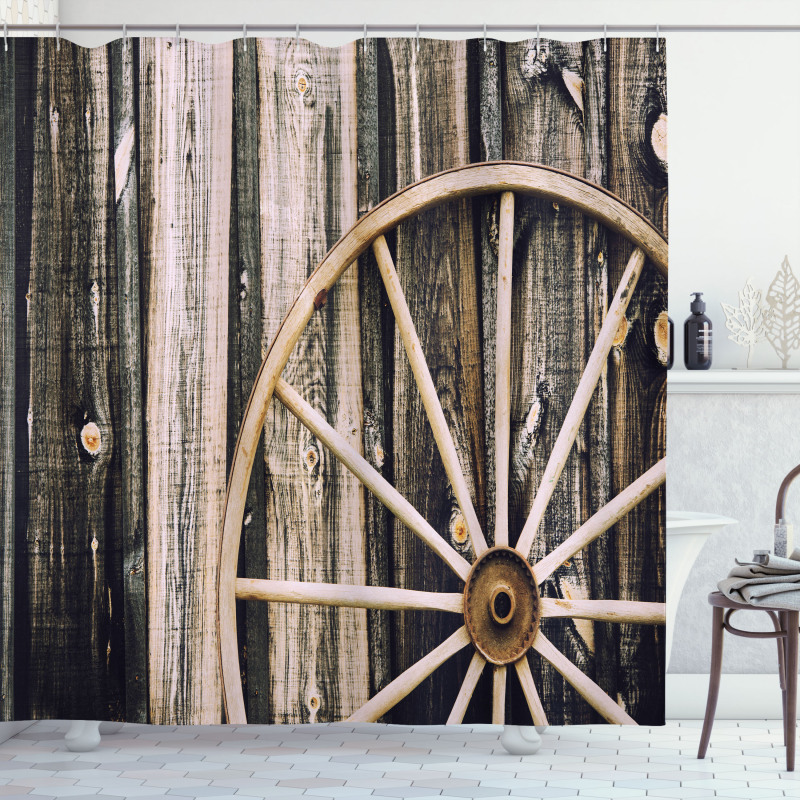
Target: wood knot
(574,85)
(311,458)
(658,138)
(302,83)
(313,702)
(459,526)
(90,438)
(534,60)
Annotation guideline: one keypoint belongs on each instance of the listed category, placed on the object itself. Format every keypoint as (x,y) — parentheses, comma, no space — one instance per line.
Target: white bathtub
(687,532)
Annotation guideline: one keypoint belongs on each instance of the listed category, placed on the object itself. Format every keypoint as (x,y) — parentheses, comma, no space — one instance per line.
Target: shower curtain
(162,203)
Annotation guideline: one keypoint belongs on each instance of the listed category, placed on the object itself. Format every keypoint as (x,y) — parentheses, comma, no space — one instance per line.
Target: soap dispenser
(697,336)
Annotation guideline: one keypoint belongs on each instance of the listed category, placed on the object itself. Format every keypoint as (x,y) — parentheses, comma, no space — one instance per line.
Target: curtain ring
(657,37)
(418,37)
(244,36)
(297,34)
(538,39)
(484,37)
(5,35)
(58,36)
(605,35)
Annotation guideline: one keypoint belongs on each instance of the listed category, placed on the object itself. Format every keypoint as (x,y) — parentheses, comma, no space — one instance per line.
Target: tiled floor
(746,760)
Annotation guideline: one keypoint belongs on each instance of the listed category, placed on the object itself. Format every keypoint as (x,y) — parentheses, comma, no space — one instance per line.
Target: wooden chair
(785,633)
(785,623)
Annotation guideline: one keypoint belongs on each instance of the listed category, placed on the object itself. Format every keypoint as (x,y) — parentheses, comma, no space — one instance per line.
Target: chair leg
(781,642)
(790,715)
(717,632)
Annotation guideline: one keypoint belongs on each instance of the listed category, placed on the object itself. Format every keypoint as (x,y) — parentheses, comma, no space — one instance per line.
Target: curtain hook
(365,37)
(177,33)
(5,34)
(125,32)
(538,39)
(58,36)
(484,37)
(297,34)
(418,37)
(657,37)
(605,35)
(244,36)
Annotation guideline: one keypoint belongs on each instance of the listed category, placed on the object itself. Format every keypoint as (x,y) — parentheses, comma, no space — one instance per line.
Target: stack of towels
(774,583)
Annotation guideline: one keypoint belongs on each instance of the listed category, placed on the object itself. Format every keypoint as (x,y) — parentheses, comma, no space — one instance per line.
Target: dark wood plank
(7,378)
(637,378)
(245,326)
(186,112)
(76,648)
(544,122)
(129,320)
(25,82)
(373,301)
(315,525)
(596,434)
(436,257)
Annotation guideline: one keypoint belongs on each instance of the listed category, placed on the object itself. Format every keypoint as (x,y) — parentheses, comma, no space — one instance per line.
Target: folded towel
(775,583)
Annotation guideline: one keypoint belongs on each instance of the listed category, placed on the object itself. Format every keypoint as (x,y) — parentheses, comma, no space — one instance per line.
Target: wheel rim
(487,626)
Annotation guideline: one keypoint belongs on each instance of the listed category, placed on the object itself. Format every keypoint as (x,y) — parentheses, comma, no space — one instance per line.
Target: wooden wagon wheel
(501,604)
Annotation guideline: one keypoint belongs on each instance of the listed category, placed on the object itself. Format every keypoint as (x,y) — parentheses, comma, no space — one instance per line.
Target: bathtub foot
(541,728)
(520,740)
(82,736)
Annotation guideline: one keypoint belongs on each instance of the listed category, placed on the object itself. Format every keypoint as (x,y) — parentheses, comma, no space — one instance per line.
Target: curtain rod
(293,28)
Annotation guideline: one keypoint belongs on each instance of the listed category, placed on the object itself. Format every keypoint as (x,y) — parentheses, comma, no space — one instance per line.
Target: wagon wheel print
(501,605)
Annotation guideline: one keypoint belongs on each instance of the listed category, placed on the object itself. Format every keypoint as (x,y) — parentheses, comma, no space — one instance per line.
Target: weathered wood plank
(637,379)
(75,654)
(435,257)
(596,437)
(491,149)
(544,122)
(372,299)
(131,429)
(186,112)
(7,377)
(315,525)
(245,325)
(25,52)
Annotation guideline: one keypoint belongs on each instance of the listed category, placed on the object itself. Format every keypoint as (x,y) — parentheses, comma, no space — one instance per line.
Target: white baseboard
(752,696)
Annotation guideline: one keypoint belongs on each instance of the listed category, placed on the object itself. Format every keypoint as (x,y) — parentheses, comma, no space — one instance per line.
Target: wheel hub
(501,605)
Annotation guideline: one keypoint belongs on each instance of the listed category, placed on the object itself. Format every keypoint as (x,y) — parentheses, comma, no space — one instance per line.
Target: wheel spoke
(502,378)
(605,610)
(371,478)
(499,695)
(529,690)
(583,684)
(467,689)
(407,681)
(601,521)
(347,595)
(581,399)
(433,408)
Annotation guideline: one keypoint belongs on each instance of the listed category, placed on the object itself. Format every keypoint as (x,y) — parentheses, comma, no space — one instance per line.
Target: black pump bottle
(697,336)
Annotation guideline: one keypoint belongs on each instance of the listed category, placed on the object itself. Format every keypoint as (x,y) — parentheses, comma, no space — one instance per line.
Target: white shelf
(733,381)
